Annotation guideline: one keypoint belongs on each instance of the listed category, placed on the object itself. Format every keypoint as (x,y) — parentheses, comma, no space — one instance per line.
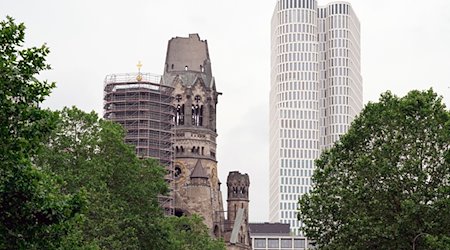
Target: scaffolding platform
(142,104)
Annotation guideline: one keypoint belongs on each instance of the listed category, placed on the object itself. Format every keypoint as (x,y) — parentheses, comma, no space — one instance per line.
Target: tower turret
(238,185)
(198,194)
(238,236)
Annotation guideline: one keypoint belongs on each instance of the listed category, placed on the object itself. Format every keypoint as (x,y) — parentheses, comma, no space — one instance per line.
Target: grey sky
(405,45)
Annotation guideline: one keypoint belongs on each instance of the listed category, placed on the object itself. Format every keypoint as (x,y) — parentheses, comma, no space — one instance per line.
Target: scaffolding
(141,103)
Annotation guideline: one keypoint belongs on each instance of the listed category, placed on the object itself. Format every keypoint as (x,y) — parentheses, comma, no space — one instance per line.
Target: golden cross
(139,65)
(139,76)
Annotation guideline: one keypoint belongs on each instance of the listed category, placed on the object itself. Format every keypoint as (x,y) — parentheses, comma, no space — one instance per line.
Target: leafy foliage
(189,233)
(33,213)
(386,181)
(87,152)
(123,213)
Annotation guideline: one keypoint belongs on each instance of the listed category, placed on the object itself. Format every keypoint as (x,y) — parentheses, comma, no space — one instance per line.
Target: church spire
(199,171)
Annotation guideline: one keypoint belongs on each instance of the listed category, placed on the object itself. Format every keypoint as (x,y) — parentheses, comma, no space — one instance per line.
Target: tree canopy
(122,190)
(386,181)
(190,233)
(33,212)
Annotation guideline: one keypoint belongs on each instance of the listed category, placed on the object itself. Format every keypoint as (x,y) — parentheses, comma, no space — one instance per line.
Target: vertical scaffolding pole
(142,104)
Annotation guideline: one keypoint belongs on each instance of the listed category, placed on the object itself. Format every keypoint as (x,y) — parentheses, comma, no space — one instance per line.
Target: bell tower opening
(197,112)
(179,112)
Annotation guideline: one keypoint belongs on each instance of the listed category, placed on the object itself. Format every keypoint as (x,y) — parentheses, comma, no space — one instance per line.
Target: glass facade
(316,91)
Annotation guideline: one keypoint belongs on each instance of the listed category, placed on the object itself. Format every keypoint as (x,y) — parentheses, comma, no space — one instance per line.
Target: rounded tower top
(187,59)
(188,54)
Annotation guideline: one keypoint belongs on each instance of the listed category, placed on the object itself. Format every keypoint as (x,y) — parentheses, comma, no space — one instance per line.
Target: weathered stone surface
(196,185)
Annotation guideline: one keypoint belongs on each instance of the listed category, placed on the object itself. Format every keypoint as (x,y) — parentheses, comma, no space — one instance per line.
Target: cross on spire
(139,66)
(139,76)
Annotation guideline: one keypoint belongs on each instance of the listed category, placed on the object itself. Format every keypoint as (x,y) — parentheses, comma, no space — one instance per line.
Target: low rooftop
(269,228)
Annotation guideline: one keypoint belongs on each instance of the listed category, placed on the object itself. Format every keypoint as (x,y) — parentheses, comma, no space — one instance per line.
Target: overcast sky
(405,45)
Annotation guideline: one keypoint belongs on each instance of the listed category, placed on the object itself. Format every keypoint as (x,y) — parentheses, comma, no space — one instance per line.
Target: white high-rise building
(316,92)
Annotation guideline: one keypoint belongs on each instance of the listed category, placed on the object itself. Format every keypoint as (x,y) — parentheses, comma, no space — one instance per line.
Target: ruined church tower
(237,234)
(196,185)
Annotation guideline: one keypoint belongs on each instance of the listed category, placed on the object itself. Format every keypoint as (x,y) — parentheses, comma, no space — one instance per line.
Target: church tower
(188,71)
(238,235)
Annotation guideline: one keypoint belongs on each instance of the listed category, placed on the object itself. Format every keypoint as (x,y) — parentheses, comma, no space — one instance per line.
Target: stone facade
(196,185)
(237,233)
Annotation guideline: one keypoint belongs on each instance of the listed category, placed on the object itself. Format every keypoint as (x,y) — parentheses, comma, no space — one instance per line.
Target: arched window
(197,112)
(179,116)
(172,66)
(177,171)
(185,68)
(200,118)
(216,231)
(211,115)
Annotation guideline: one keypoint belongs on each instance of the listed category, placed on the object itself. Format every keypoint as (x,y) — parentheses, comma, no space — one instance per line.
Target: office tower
(316,92)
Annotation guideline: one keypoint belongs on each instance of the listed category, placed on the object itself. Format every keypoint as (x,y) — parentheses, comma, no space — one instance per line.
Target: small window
(286,243)
(216,231)
(261,242)
(177,172)
(299,243)
(185,68)
(274,243)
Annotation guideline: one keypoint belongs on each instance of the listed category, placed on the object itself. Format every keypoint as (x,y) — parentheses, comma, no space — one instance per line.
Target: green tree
(189,233)
(123,212)
(33,213)
(386,181)
(89,153)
